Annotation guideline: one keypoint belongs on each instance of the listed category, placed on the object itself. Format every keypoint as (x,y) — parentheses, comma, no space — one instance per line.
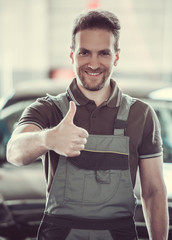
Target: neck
(99,96)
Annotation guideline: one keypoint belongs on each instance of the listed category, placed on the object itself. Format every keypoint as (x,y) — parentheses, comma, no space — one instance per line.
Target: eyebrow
(105,50)
(84,49)
(102,50)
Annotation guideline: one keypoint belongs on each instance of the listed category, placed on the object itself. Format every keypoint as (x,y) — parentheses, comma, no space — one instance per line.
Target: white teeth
(93,74)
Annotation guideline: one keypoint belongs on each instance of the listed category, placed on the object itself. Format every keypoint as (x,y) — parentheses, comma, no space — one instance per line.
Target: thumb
(71,113)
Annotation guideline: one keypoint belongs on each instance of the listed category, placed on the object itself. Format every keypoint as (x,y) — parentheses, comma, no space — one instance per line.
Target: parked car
(30,90)
(164,93)
(22,189)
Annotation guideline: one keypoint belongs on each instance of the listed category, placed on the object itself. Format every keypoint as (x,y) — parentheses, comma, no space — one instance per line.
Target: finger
(81,147)
(71,113)
(74,154)
(83,133)
(82,141)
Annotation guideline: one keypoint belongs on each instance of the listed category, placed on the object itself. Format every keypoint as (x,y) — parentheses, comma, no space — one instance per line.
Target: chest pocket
(86,187)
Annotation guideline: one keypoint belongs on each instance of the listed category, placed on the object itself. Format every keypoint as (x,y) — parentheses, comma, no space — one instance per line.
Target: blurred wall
(24,41)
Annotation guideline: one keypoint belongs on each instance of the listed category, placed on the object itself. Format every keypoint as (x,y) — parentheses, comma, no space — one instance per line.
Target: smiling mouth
(93,73)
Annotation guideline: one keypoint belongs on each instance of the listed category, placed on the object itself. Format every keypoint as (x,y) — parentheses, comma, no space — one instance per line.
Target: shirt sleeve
(151,145)
(43,113)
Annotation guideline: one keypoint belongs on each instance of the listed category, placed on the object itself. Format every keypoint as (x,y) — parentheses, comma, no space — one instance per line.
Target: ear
(71,56)
(116,57)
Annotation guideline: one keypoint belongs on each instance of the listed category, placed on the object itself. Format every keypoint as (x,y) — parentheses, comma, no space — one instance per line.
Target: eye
(105,53)
(83,53)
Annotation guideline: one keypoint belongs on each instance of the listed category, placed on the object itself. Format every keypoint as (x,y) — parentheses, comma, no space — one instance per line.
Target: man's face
(93,58)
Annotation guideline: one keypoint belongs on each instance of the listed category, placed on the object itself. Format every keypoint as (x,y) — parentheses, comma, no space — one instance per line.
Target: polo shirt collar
(116,95)
(78,97)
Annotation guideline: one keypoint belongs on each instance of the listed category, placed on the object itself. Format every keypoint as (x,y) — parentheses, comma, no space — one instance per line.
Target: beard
(90,87)
(93,83)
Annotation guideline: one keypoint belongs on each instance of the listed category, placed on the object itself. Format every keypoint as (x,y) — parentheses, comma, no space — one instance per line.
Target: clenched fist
(66,138)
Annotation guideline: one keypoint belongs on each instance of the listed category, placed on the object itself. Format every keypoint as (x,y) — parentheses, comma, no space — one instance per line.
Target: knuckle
(83,147)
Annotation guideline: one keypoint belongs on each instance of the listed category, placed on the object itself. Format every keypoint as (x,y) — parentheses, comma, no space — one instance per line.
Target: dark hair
(97,19)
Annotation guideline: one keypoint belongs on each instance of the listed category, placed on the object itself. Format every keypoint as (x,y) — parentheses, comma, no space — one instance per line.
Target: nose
(93,62)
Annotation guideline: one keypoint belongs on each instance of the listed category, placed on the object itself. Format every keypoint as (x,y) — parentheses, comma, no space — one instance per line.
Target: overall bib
(91,196)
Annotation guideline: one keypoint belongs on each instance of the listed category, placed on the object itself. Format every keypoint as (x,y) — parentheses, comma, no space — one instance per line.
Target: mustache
(93,70)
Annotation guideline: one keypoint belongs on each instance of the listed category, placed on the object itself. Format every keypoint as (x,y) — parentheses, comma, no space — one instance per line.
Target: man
(92,154)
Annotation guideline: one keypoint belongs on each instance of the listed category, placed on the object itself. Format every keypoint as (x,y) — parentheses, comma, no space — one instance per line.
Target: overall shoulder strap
(61,102)
(122,116)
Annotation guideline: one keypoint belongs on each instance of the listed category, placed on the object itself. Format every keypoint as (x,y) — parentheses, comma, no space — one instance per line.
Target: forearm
(155,210)
(24,148)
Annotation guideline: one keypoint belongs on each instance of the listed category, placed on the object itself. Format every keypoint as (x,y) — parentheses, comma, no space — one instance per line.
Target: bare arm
(28,141)
(154,198)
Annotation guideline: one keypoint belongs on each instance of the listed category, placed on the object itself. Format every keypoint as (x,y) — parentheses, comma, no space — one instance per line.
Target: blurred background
(35,39)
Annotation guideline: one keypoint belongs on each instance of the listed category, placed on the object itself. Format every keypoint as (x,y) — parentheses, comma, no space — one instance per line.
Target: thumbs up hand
(66,138)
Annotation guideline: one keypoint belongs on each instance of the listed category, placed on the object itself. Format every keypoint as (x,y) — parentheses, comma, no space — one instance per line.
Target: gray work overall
(95,188)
